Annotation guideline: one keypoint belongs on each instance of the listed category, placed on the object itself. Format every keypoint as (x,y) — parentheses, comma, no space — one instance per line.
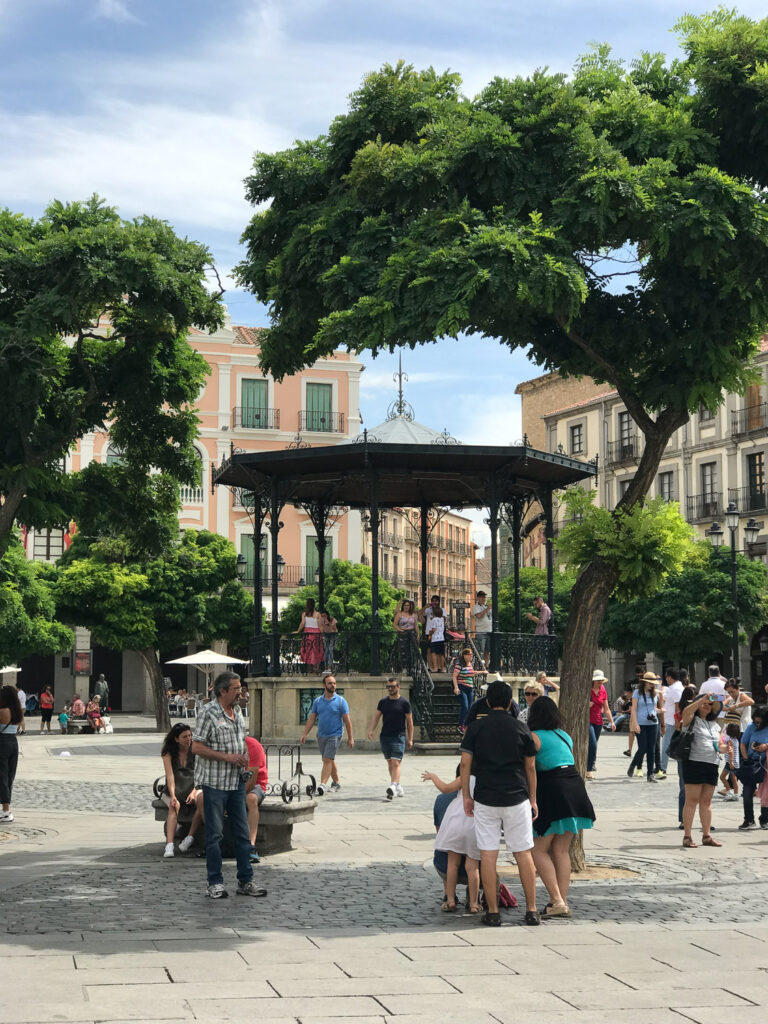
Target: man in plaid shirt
(221,769)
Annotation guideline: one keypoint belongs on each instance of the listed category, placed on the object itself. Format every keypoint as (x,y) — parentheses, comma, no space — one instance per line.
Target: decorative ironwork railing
(626,449)
(750,419)
(255,418)
(749,499)
(704,506)
(321,422)
(525,653)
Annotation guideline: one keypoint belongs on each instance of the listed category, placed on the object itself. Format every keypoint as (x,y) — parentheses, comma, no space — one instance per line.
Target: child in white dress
(456,837)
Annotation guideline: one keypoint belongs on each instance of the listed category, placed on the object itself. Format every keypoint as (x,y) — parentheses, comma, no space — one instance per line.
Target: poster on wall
(83,660)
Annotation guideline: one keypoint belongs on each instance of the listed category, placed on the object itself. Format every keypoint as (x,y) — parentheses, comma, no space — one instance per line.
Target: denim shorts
(328,745)
(393,747)
(482,642)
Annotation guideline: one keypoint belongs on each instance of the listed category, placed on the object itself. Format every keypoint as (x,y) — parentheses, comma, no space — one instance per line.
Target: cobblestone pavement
(84,797)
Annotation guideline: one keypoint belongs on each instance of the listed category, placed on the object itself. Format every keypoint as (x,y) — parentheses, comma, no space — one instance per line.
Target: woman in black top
(179,794)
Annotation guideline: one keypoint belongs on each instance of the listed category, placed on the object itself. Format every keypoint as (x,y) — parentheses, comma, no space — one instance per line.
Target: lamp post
(716,534)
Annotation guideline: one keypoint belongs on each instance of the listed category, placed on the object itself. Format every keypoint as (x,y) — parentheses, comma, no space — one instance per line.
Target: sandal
(688,843)
(709,841)
(560,910)
(447,908)
(475,909)
(492,919)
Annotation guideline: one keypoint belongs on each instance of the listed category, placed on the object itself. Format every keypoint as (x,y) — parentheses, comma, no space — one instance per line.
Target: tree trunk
(152,665)
(589,600)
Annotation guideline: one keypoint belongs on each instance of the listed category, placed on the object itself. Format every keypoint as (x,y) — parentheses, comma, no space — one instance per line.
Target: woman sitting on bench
(179,794)
(93,714)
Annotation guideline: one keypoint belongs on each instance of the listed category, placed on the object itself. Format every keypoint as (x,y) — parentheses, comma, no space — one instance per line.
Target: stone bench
(76,725)
(276,821)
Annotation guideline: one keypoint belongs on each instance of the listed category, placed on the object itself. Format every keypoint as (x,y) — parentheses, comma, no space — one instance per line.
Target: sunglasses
(531,693)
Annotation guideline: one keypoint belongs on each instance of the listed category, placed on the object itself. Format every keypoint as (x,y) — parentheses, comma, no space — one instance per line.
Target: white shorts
(516,822)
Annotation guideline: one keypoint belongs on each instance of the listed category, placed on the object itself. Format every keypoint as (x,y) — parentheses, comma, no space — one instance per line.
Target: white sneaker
(732,796)
(399,790)
(320,789)
(168,850)
(6,816)
(391,791)
(185,843)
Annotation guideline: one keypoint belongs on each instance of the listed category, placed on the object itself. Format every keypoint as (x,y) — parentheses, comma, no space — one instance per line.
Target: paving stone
(381,986)
(322,1006)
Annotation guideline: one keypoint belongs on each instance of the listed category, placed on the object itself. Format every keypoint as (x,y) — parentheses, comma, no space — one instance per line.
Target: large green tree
(189,592)
(612,222)
(690,617)
(533,583)
(27,615)
(94,315)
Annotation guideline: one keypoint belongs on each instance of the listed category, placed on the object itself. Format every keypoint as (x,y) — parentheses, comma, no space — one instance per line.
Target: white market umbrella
(9,668)
(206,661)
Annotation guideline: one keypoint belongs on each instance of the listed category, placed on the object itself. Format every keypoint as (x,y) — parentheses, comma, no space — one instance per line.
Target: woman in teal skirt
(564,807)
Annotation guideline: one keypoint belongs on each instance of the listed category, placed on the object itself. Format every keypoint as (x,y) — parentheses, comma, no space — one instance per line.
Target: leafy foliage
(645,543)
(533,582)
(189,592)
(27,623)
(586,217)
(690,617)
(94,315)
(348,599)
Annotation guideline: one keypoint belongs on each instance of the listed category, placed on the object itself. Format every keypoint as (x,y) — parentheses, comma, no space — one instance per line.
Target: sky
(159,106)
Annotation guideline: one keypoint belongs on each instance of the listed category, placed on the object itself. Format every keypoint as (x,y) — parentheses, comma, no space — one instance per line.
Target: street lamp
(242,565)
(715,535)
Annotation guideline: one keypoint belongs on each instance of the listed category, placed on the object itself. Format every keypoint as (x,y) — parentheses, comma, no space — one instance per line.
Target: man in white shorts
(498,750)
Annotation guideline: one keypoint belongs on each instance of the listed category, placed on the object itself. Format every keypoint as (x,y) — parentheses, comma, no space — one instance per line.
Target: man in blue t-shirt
(331,712)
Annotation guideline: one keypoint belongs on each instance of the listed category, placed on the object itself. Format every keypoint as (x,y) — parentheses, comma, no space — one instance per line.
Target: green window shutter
(312,561)
(254,396)
(319,405)
(246,550)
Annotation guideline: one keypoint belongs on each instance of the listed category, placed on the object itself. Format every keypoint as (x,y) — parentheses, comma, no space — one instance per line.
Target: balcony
(625,450)
(704,506)
(749,420)
(190,495)
(321,422)
(255,419)
(294,576)
(749,499)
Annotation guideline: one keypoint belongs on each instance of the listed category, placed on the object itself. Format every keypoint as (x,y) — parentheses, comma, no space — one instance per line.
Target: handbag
(680,745)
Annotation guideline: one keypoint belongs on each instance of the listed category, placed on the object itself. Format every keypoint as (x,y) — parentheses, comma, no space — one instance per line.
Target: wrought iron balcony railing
(255,418)
(190,495)
(750,419)
(704,506)
(321,422)
(749,499)
(626,449)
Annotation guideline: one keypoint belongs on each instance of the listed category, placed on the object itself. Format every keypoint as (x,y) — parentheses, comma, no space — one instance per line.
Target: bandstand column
(274,529)
(493,523)
(549,536)
(375,624)
(424,549)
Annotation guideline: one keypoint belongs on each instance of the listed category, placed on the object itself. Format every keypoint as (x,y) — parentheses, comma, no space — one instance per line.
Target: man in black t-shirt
(498,750)
(480,708)
(397,720)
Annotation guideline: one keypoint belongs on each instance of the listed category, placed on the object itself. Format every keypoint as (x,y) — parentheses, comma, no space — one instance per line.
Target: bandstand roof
(401,474)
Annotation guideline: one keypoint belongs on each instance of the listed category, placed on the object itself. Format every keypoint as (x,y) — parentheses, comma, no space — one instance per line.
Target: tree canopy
(188,592)
(94,315)
(613,222)
(348,598)
(27,613)
(533,583)
(690,616)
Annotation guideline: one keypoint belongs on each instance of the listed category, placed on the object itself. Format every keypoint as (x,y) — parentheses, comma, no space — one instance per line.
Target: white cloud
(373,381)
(115,10)
(494,419)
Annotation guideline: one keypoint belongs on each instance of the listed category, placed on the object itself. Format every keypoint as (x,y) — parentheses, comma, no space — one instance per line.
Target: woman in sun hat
(598,706)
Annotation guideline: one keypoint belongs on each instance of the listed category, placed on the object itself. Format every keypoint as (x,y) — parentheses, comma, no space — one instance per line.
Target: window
(625,427)
(577,439)
(192,494)
(708,480)
(756,478)
(246,550)
(667,485)
(254,397)
(48,545)
(113,456)
(623,487)
(319,402)
(705,415)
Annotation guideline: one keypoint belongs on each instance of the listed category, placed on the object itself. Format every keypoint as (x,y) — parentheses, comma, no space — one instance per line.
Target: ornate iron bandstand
(370,474)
